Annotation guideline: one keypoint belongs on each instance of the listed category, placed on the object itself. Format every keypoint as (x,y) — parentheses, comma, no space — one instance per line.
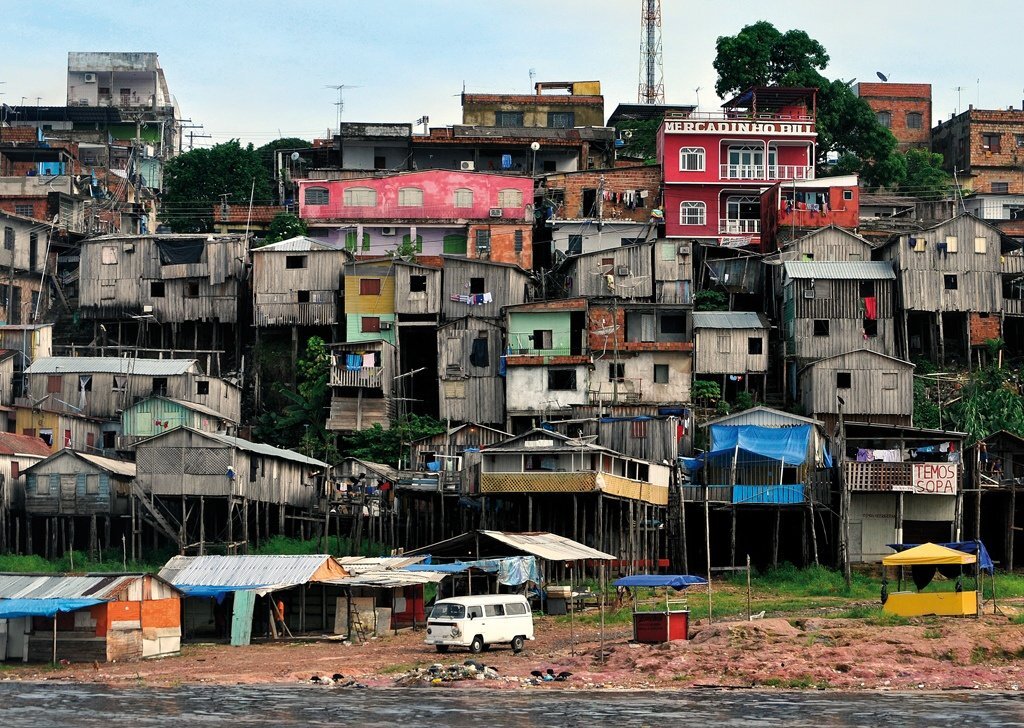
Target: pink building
(475,214)
(717,164)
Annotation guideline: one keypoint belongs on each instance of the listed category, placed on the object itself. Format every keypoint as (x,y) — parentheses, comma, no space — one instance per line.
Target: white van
(479,622)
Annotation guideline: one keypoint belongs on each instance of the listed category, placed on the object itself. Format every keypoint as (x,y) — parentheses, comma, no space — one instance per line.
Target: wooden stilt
(1011,532)
(93,538)
(245,523)
(814,533)
(28,536)
(202,525)
(775,538)
(732,538)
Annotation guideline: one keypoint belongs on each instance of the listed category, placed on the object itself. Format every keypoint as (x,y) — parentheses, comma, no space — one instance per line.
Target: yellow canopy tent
(928,554)
(916,604)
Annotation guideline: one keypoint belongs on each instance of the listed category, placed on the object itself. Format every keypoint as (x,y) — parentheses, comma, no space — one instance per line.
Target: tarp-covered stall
(924,561)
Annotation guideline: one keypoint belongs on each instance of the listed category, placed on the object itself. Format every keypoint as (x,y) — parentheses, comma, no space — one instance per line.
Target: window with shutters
(981,245)
(692,213)
(54,382)
(724,344)
(691,159)
(370,324)
(410,197)
(517,241)
(454,244)
(92,483)
(317,196)
(463,197)
(15,469)
(108,255)
(951,244)
(888,380)
(914,120)
(360,197)
(369,286)
(510,198)
(8,238)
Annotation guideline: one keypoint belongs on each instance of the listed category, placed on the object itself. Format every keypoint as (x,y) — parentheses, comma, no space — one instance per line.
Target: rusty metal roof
(59,586)
(111,365)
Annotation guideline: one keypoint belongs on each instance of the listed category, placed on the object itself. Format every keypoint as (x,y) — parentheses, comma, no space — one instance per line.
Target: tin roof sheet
(110,365)
(60,586)
(118,467)
(728,320)
(264,449)
(242,570)
(298,244)
(549,546)
(875,270)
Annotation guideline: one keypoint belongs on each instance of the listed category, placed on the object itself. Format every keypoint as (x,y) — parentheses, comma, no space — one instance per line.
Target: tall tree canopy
(285,225)
(761,55)
(196,180)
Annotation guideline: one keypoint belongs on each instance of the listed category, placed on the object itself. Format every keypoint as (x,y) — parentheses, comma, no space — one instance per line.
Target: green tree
(924,176)
(709,300)
(267,153)
(285,225)
(761,55)
(302,421)
(196,180)
(990,401)
(386,446)
(640,138)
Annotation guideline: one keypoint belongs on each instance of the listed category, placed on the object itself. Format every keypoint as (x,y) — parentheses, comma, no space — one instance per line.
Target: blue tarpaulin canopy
(676,581)
(511,570)
(968,547)
(789,444)
(14,608)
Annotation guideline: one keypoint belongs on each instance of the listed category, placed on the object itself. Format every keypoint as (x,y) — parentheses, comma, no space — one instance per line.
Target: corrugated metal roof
(14,444)
(59,586)
(391,579)
(874,270)
(118,467)
(264,449)
(763,416)
(728,320)
(549,546)
(242,570)
(298,244)
(201,409)
(110,365)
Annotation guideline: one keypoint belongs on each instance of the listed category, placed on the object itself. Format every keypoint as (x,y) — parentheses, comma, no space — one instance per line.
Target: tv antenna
(340,103)
(697,91)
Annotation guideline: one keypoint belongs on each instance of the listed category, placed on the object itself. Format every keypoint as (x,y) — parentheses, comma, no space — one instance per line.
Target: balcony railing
(738,227)
(879,477)
(771,172)
(736,116)
(622,390)
(362,377)
(1012,264)
(411,212)
(1013,306)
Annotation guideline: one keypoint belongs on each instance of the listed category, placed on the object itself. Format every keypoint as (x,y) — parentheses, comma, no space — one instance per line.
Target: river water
(51,704)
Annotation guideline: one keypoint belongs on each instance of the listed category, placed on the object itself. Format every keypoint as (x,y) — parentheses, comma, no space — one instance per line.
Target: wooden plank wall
(710,359)
(589,277)
(507,286)
(417,302)
(469,393)
(867,394)
(844,309)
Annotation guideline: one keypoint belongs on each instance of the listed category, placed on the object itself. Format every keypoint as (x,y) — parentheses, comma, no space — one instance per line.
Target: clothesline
(472,299)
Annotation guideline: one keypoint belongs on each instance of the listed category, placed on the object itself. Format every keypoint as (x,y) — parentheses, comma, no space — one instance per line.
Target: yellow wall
(383,303)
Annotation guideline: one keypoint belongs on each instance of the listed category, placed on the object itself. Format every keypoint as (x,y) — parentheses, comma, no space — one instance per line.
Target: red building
(717,164)
(793,209)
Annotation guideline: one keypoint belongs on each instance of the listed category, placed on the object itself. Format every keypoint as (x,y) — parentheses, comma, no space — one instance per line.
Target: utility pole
(192,136)
(340,103)
(844,499)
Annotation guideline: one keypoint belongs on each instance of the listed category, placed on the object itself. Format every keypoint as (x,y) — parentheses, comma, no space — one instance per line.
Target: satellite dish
(881,75)
(295,156)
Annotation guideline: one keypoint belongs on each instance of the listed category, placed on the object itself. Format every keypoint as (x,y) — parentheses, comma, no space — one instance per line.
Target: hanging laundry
(369,361)
(887,456)
(478,354)
(862,455)
(353,362)
(944,447)
(871,308)
(488,298)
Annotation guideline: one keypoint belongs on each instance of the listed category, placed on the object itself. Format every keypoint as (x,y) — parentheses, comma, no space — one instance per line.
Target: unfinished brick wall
(964,143)
(616,181)
(504,246)
(984,328)
(900,99)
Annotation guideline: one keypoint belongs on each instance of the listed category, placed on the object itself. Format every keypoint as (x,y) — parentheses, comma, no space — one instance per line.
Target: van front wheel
(441,648)
(477,645)
(517,644)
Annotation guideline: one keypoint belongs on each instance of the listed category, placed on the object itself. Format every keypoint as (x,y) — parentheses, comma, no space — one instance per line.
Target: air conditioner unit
(496,212)
(83,102)
(684,249)
(385,326)
(622,270)
(90,78)
(387,231)
(467,165)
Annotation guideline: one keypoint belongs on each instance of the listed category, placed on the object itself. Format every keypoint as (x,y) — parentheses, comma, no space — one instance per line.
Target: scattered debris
(438,674)
(336,680)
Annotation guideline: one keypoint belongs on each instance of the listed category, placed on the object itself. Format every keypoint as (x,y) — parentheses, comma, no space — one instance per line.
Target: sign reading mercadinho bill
(740,127)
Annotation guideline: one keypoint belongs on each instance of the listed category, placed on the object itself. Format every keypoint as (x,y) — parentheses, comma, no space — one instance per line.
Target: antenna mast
(652,79)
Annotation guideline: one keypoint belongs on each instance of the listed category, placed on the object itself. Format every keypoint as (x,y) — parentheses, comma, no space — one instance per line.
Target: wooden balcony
(578,482)
(372,377)
(879,477)
(1013,307)
(296,314)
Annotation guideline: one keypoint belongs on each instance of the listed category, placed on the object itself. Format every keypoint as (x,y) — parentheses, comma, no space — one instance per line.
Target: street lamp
(535,147)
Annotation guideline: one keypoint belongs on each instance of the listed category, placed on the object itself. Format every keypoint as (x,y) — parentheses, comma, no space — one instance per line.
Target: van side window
(515,608)
(475,612)
(494,610)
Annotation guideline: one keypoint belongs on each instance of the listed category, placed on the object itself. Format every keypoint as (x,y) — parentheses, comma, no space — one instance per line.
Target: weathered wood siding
(467,392)
(878,385)
(105,401)
(14,488)
(7,380)
(724,351)
(630,268)
(830,243)
(363,397)
(673,272)
(183,462)
(843,307)
(278,288)
(425,302)
(154,416)
(67,485)
(375,304)
(922,274)
(64,430)
(507,286)
(117,273)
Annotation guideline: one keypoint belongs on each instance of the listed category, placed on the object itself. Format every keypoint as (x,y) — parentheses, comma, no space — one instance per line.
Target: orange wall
(161,613)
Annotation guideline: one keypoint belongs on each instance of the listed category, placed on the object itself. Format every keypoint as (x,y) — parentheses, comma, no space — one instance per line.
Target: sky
(257,70)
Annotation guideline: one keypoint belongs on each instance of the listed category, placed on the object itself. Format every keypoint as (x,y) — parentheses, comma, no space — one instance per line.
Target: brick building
(905,109)
(631,193)
(985,147)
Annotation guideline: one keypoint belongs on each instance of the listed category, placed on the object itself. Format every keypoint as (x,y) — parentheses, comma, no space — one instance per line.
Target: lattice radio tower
(652,75)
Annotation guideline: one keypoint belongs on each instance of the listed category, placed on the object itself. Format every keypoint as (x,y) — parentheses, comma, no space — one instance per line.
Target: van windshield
(448,611)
